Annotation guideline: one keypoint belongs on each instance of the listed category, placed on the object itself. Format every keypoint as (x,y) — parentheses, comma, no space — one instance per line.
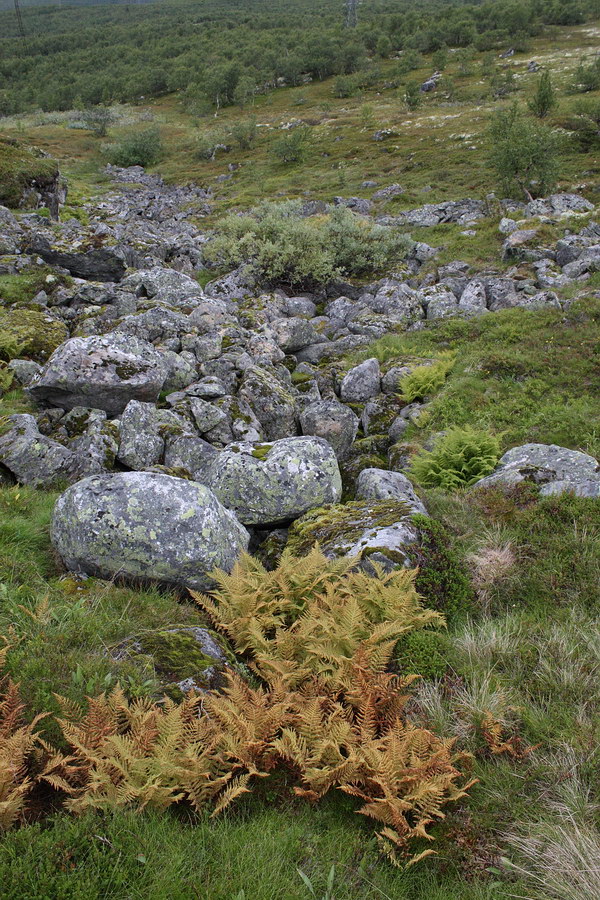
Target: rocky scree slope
(193,423)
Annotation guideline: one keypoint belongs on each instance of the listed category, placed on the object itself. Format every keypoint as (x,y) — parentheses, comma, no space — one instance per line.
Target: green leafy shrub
(524,154)
(459,458)
(140,148)
(424,381)
(279,244)
(442,579)
(412,95)
(293,146)
(587,77)
(245,132)
(584,122)
(544,100)
(97,119)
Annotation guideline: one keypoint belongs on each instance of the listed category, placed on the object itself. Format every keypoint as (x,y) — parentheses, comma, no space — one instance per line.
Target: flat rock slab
(555,469)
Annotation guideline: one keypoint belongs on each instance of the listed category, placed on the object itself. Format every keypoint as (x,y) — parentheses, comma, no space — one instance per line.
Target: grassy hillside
(523,654)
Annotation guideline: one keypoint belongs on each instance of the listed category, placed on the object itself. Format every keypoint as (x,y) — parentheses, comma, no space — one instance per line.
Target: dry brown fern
(25,758)
(310,616)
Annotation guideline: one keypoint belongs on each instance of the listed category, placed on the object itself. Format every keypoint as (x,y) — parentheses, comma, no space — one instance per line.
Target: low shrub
(140,148)
(524,154)
(279,244)
(292,146)
(459,458)
(442,578)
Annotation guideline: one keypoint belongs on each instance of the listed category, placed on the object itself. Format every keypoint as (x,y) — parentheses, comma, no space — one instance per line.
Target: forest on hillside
(222,51)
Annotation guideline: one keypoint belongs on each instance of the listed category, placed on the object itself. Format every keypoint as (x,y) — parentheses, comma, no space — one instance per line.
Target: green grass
(526,376)
(252,854)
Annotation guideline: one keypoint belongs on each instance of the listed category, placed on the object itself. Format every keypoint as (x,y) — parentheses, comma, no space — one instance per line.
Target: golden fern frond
(237,787)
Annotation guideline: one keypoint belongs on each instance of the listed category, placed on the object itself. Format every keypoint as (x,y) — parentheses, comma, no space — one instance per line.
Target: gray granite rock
(275,482)
(146,526)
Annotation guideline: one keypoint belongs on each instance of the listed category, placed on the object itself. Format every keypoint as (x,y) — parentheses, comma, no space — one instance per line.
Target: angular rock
(105,372)
(379,484)
(473,299)
(146,526)
(276,482)
(333,421)
(142,445)
(191,454)
(165,287)
(294,334)
(439,302)
(362,382)
(271,403)
(31,457)
(555,469)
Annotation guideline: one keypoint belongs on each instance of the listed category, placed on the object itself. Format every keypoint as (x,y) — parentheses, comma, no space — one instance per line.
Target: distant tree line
(226,51)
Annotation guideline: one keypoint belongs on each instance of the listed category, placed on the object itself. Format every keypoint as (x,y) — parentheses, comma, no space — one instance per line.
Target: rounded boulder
(268,484)
(146,526)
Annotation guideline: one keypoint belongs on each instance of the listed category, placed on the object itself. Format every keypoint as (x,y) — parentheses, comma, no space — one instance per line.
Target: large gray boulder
(332,421)
(276,482)
(146,526)
(104,372)
(165,287)
(556,469)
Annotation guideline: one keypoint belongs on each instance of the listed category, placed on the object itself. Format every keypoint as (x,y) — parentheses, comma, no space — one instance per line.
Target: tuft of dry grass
(560,860)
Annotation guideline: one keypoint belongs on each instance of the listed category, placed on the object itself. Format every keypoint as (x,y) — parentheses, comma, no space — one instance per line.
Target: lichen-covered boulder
(30,333)
(555,469)
(33,458)
(361,382)
(383,531)
(379,484)
(146,526)
(266,484)
(271,403)
(165,287)
(105,372)
(333,421)
(182,659)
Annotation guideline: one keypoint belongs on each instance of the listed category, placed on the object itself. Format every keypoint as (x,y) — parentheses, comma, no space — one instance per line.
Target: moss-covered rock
(381,530)
(183,658)
(24,169)
(30,334)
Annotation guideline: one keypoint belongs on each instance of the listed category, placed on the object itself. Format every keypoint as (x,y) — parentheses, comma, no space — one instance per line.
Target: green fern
(459,458)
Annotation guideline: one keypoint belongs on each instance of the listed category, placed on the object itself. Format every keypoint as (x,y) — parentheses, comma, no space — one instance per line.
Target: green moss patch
(21,167)
(30,334)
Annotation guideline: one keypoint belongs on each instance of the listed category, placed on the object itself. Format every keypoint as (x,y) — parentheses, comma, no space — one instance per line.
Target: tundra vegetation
(452,699)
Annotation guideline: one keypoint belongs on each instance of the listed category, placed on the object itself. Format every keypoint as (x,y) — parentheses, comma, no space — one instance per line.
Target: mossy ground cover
(19,167)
